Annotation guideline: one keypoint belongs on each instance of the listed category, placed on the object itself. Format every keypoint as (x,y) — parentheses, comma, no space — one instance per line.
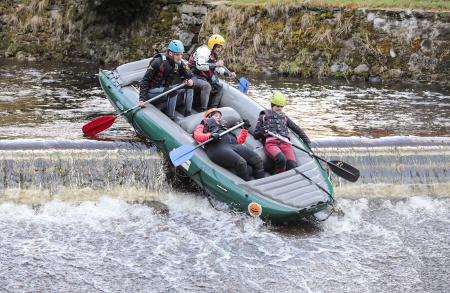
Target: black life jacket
(166,74)
(212,126)
(277,122)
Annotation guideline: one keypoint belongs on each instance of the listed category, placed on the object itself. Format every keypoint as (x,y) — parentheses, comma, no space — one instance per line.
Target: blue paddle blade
(244,84)
(182,154)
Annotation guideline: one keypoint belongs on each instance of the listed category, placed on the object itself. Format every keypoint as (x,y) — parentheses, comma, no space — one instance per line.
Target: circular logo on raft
(254,209)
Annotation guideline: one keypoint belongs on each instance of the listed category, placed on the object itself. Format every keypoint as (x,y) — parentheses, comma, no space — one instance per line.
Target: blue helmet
(176,46)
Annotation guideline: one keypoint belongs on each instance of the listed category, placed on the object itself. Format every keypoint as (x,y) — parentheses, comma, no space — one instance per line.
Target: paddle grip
(234,76)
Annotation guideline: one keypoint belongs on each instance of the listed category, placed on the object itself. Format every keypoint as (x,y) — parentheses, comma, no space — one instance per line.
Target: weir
(39,170)
(42,170)
(392,167)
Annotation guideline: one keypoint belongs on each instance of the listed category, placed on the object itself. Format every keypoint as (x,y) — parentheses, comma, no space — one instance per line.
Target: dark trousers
(171,98)
(236,157)
(207,98)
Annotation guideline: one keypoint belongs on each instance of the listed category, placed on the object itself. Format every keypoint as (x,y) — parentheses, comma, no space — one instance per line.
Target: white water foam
(111,245)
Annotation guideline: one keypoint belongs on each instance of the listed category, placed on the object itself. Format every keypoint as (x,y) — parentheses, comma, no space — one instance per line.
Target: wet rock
(426,46)
(394,73)
(21,55)
(375,79)
(159,207)
(339,67)
(361,69)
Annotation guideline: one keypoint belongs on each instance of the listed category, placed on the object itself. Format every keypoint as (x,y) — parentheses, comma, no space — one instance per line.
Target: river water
(108,214)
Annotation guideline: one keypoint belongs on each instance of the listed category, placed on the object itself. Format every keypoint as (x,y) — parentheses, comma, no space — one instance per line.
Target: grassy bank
(305,39)
(439,5)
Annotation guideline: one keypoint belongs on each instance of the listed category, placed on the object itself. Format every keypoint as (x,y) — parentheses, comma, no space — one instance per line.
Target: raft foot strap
(312,181)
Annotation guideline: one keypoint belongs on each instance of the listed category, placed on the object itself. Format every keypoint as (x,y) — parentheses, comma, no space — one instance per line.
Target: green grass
(440,5)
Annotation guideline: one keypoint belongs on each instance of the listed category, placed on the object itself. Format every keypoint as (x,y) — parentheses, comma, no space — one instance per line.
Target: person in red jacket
(227,150)
(276,121)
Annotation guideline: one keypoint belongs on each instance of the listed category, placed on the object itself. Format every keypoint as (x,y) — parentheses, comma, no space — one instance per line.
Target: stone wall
(412,45)
(359,44)
(296,40)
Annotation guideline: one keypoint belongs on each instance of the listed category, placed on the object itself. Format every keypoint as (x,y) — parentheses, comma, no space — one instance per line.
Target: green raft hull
(283,197)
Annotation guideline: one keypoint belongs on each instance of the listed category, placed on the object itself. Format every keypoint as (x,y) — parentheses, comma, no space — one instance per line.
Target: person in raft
(205,64)
(163,69)
(276,121)
(227,150)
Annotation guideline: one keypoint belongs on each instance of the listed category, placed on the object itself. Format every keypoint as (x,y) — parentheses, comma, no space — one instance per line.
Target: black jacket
(162,72)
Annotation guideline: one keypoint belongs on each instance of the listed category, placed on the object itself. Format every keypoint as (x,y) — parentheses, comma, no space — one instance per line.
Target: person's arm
(152,69)
(298,131)
(259,132)
(242,136)
(202,61)
(244,133)
(199,135)
(221,70)
(186,74)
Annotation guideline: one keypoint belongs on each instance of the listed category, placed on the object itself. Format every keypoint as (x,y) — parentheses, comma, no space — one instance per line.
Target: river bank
(297,39)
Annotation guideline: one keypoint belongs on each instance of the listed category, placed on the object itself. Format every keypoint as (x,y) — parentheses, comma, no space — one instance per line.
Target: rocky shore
(298,40)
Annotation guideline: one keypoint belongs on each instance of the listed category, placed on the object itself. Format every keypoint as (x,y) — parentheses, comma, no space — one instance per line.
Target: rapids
(108,214)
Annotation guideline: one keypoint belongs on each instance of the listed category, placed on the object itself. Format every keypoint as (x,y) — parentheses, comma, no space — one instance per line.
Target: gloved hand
(247,124)
(215,135)
(266,128)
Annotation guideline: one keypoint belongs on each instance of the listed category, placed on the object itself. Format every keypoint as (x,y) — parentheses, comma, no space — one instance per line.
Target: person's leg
(171,104)
(224,156)
(291,165)
(188,94)
(216,98)
(288,151)
(280,162)
(170,98)
(154,92)
(273,151)
(204,88)
(253,160)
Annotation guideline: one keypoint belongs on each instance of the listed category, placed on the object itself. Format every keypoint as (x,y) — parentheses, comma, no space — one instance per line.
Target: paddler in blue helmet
(163,70)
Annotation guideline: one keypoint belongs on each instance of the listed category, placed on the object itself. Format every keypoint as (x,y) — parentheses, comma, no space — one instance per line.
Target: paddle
(340,168)
(180,155)
(244,84)
(102,123)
